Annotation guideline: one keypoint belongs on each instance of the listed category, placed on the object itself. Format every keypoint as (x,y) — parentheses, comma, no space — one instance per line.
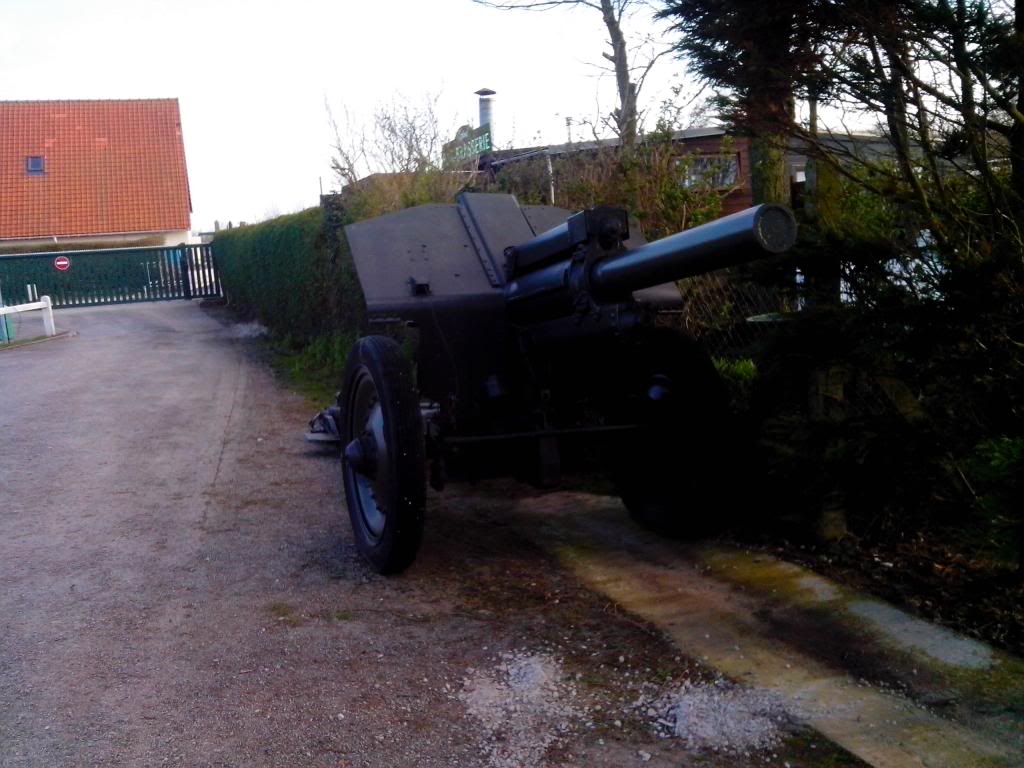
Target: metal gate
(114,276)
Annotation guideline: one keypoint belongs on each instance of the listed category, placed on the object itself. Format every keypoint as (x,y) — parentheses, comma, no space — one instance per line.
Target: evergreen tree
(760,56)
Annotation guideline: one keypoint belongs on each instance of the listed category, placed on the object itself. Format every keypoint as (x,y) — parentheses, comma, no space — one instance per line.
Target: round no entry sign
(63,263)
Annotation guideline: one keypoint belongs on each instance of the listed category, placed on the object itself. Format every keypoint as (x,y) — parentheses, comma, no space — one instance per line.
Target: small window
(711,171)
(35,165)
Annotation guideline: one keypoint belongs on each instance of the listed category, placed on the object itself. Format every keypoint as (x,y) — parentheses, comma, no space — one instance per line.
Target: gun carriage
(518,340)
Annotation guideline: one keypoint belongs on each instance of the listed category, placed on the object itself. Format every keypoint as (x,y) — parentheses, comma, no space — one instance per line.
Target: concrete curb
(38,340)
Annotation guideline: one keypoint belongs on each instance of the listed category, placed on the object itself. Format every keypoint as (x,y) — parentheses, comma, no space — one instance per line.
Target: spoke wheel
(383,454)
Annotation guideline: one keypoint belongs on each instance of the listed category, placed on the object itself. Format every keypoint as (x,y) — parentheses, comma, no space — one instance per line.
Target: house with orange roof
(88,174)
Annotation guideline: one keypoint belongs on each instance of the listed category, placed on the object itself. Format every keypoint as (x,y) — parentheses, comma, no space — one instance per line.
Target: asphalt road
(178,587)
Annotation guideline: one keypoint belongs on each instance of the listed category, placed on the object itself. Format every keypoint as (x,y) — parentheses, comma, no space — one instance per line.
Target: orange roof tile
(110,167)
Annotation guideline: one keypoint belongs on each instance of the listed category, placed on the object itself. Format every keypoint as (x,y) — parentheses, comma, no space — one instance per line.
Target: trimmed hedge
(294,274)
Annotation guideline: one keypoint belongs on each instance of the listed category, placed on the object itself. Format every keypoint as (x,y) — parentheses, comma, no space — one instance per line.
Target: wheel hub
(660,389)
(366,456)
(361,455)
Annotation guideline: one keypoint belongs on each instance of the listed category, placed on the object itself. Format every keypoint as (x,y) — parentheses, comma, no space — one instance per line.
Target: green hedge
(293,274)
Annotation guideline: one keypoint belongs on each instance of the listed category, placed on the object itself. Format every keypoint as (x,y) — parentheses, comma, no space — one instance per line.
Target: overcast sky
(252,77)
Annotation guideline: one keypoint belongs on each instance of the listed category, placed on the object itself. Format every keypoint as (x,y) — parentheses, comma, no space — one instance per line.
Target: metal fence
(114,276)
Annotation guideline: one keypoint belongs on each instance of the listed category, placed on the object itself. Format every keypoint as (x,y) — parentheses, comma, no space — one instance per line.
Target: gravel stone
(720,716)
(525,704)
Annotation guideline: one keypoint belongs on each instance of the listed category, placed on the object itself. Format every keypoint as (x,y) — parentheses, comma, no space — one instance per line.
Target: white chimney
(487,109)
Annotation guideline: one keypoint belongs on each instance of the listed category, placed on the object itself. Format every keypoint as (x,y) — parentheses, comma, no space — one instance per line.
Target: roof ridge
(87,101)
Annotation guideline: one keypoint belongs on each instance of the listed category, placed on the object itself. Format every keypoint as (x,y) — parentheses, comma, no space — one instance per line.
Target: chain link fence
(729,314)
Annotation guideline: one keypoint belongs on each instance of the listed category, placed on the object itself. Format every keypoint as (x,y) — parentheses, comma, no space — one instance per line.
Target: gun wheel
(383,460)
(668,479)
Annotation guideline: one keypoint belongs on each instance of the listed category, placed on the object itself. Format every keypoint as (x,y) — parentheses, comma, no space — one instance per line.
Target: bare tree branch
(536,5)
(625,118)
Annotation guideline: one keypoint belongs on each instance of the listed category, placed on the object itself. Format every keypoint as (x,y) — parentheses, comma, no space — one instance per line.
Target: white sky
(252,76)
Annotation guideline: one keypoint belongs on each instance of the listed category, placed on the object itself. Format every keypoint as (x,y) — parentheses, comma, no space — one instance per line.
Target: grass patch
(739,376)
(313,369)
(280,610)
(338,616)
(284,614)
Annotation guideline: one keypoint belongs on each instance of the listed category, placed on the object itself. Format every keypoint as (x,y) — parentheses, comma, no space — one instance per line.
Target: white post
(51,329)
(551,179)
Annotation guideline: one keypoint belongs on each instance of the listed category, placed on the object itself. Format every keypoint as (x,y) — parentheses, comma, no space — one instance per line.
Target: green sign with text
(467,146)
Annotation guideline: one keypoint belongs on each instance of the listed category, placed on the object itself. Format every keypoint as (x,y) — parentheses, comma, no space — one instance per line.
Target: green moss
(339,616)
(811,746)
(1002,684)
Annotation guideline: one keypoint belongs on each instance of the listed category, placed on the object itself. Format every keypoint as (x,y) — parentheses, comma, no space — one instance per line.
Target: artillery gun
(521,340)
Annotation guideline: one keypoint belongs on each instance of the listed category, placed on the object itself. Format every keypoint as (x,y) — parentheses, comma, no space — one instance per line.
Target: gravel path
(173,584)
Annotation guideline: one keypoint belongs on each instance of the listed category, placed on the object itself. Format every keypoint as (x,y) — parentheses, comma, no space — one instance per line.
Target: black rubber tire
(672,480)
(380,360)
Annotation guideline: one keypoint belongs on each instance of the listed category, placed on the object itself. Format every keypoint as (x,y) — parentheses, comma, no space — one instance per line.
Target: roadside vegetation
(294,276)
(890,409)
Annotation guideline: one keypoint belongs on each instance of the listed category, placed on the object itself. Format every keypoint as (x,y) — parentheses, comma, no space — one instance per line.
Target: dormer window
(35,165)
